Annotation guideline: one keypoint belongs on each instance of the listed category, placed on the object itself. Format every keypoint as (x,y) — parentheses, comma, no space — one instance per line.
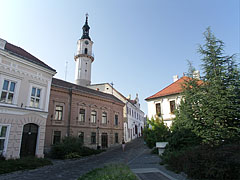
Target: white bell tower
(84,57)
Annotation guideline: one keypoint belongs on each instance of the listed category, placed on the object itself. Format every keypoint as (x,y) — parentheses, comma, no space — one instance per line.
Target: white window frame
(58,112)
(104,118)
(42,97)
(80,115)
(16,90)
(4,151)
(94,120)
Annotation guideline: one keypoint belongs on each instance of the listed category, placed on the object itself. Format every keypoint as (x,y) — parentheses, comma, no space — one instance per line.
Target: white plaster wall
(26,75)
(165,108)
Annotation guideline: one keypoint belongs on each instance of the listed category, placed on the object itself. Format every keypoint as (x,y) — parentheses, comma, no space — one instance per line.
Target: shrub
(11,165)
(155,132)
(71,147)
(182,139)
(206,162)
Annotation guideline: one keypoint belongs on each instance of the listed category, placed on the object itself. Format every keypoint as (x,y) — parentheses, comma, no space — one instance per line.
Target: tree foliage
(156,131)
(211,107)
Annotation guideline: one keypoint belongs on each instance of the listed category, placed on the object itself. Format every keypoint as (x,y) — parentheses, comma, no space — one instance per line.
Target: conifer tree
(211,109)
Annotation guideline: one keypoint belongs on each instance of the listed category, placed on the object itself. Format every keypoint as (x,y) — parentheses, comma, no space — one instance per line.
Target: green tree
(156,131)
(211,108)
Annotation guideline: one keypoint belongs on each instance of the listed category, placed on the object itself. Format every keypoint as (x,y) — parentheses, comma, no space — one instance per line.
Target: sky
(139,45)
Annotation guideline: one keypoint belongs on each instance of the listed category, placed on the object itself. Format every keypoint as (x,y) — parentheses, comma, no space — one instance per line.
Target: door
(104,140)
(29,140)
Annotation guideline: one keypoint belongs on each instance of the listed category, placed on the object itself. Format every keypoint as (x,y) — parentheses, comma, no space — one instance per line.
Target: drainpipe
(69,112)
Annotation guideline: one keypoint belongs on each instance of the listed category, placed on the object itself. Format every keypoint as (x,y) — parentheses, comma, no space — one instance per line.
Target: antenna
(66,70)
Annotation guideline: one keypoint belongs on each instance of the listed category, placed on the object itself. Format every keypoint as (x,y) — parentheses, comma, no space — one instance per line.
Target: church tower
(84,57)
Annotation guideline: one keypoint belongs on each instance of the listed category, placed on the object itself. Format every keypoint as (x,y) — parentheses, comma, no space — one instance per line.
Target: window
(58,112)
(81,116)
(7,91)
(93,138)
(3,138)
(93,116)
(81,137)
(85,51)
(116,137)
(35,97)
(116,120)
(158,109)
(56,137)
(172,106)
(104,118)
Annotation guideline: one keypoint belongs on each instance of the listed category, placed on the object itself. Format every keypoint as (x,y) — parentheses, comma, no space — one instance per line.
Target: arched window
(85,51)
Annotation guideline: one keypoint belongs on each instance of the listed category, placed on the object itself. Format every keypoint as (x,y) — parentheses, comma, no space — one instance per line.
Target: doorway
(29,140)
(104,140)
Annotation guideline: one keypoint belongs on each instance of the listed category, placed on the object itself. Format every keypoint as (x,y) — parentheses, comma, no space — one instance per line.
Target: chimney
(2,43)
(175,78)
(129,96)
(196,74)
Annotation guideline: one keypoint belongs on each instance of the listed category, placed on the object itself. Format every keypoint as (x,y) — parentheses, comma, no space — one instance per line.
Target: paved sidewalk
(147,167)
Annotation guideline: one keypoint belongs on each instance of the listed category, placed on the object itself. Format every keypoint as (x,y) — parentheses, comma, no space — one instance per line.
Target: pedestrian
(123,145)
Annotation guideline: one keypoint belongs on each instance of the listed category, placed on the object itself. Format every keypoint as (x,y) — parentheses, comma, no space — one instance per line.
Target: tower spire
(85,29)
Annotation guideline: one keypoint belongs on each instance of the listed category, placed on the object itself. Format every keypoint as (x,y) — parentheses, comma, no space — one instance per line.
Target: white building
(25,83)
(164,102)
(133,115)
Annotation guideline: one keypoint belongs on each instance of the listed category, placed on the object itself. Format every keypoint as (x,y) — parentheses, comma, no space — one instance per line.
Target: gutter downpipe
(69,112)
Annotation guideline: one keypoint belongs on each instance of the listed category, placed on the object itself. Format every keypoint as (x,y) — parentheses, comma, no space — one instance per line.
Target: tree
(156,131)
(211,108)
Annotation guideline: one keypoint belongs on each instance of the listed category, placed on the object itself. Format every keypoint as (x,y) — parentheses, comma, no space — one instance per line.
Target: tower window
(85,51)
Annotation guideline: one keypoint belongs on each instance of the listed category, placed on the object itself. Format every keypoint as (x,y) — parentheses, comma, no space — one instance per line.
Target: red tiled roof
(174,88)
(17,51)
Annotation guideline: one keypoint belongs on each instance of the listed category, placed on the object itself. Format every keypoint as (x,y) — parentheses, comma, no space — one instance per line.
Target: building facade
(93,116)
(25,83)
(163,103)
(132,114)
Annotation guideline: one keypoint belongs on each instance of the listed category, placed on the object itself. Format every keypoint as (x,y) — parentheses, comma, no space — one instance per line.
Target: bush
(182,139)
(71,147)
(11,165)
(206,162)
(155,132)
(110,172)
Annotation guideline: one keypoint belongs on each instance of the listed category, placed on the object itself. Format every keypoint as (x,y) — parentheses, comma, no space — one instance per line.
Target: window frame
(116,115)
(16,90)
(158,109)
(80,115)
(5,145)
(53,137)
(59,105)
(172,108)
(93,138)
(93,117)
(35,97)
(104,117)
(8,91)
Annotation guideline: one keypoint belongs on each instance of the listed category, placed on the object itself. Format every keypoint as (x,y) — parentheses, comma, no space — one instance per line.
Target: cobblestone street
(137,156)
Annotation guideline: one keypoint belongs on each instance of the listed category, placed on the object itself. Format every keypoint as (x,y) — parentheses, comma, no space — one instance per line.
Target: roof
(110,86)
(68,85)
(174,88)
(17,51)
